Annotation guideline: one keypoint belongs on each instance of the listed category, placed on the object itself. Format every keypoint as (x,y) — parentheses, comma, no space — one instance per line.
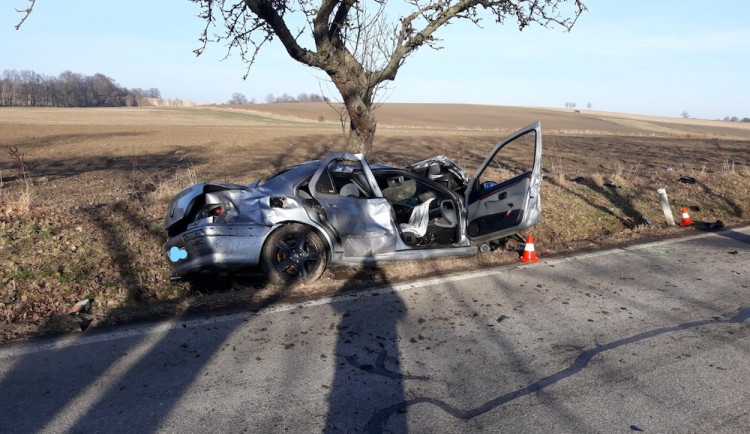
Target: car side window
(325,184)
(344,178)
(517,159)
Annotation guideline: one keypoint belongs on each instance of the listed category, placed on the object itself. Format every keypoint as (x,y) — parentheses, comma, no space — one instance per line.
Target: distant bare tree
(69,89)
(140,94)
(685,114)
(9,87)
(103,91)
(285,98)
(238,99)
(314,97)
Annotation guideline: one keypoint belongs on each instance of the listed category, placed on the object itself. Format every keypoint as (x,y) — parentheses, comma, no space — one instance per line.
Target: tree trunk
(352,83)
(361,129)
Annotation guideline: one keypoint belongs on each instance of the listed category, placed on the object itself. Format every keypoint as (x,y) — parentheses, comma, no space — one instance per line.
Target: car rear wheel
(294,254)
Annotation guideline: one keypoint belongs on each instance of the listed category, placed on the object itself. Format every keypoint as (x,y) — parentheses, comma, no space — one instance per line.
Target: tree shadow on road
(137,376)
(367,347)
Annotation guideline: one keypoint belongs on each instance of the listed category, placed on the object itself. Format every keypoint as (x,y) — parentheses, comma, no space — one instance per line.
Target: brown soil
(84,218)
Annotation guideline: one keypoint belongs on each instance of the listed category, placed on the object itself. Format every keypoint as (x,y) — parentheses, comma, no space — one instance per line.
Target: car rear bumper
(210,247)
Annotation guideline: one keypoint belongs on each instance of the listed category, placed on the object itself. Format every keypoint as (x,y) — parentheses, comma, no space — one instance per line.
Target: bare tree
(238,99)
(314,97)
(285,97)
(10,88)
(358,43)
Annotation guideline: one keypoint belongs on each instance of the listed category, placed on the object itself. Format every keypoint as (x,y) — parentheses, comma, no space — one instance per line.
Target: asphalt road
(652,338)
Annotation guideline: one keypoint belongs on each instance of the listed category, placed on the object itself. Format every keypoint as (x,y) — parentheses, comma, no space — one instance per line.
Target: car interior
(426,215)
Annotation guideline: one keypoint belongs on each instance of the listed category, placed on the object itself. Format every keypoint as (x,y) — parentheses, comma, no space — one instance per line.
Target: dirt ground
(83,193)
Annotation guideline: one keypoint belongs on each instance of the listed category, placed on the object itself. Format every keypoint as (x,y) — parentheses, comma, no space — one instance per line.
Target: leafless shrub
(167,188)
(141,182)
(634,170)
(617,175)
(145,186)
(557,171)
(22,203)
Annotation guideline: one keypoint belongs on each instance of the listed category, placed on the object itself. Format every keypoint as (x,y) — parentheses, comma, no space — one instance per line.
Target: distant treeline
(69,89)
(240,99)
(735,119)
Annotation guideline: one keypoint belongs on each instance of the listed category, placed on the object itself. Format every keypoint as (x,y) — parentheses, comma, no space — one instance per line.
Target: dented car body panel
(343,210)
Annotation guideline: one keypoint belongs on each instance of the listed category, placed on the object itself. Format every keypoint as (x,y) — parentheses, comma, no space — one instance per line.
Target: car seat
(349,190)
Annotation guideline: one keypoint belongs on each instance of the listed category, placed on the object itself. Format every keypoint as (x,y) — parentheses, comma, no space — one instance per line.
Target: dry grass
(167,188)
(20,203)
(85,219)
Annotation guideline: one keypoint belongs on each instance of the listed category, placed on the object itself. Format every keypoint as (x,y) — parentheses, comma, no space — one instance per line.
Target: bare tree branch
(26,13)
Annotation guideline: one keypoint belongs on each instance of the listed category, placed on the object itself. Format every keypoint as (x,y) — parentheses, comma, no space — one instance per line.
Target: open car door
(503,197)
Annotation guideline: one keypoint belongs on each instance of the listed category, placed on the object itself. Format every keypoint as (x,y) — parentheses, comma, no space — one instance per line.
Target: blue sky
(637,56)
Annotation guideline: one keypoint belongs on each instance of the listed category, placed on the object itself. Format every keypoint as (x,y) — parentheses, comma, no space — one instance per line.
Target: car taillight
(216,211)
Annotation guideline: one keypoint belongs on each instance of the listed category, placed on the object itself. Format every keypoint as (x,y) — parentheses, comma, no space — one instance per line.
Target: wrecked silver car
(344,210)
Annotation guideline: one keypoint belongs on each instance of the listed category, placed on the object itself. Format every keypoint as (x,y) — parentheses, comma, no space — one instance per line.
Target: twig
(26,11)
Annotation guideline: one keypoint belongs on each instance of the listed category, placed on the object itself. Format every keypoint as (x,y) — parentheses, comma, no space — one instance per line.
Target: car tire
(294,254)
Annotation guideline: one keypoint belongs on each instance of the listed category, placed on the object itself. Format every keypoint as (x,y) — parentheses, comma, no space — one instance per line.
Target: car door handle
(502,195)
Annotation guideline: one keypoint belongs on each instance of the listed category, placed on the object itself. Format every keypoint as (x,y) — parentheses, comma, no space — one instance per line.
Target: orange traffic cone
(529,255)
(686,221)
